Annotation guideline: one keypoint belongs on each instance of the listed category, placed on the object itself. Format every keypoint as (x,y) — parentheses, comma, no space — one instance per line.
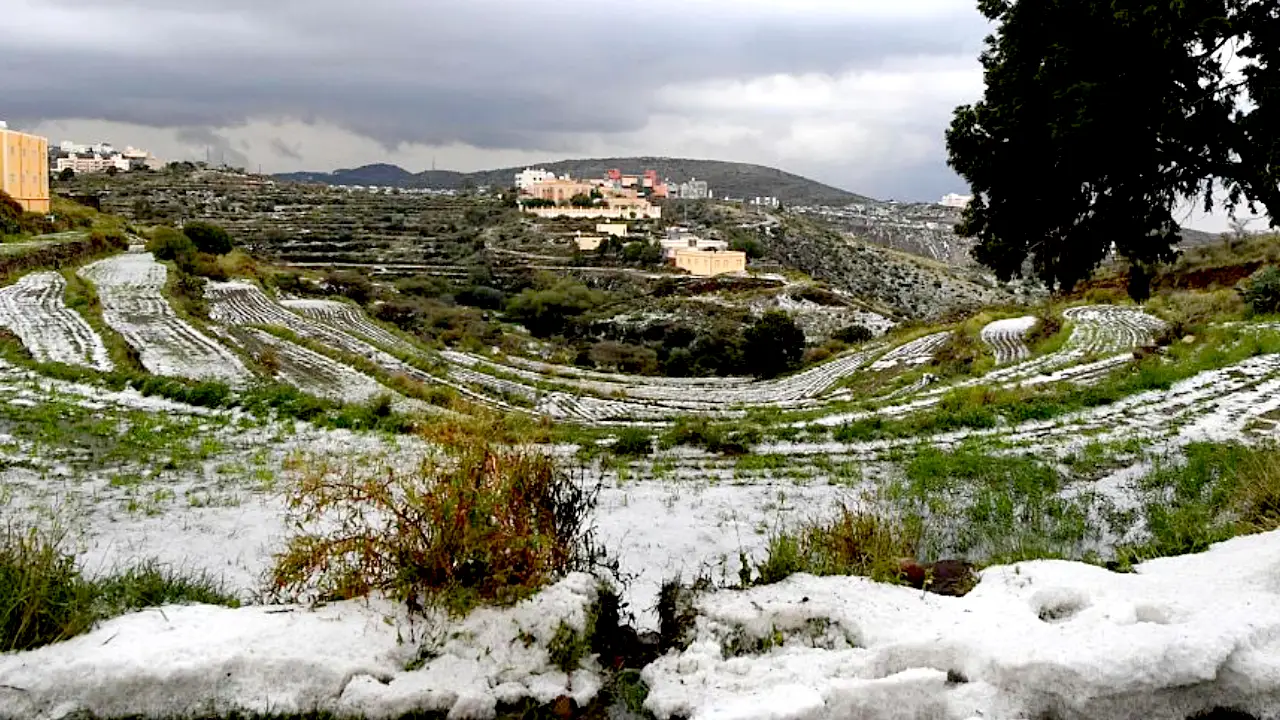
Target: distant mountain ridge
(739,180)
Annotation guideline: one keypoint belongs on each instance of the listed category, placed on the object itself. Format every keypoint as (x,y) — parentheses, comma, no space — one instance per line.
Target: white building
(528,178)
(953,200)
(695,189)
(98,157)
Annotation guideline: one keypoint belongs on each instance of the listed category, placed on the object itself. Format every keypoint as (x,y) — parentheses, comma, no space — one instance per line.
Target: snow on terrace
(130,288)
(34,310)
(659,399)
(1038,639)
(1006,338)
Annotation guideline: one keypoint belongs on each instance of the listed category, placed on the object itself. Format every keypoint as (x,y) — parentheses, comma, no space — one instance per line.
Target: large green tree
(1102,117)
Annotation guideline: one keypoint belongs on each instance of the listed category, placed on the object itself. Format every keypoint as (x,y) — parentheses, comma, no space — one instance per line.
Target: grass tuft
(45,599)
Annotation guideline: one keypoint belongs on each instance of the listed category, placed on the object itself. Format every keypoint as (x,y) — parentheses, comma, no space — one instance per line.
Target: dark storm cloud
(491,73)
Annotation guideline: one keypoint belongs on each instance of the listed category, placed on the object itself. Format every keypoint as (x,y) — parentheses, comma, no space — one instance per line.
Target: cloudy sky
(856,93)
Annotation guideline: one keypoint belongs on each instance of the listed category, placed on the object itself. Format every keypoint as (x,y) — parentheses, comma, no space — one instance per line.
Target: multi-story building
(24,168)
(528,178)
(560,190)
(98,157)
(695,189)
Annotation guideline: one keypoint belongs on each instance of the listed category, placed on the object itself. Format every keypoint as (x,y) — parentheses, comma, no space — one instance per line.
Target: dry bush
(472,525)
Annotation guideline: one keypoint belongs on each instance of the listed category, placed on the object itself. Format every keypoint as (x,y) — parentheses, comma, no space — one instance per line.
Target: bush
(208,238)
(11,212)
(476,525)
(773,345)
(547,312)
(853,334)
(169,244)
(351,285)
(1261,292)
(633,442)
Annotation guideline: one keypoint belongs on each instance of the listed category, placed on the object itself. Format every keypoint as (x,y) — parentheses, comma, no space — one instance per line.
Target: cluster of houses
(615,196)
(681,248)
(98,158)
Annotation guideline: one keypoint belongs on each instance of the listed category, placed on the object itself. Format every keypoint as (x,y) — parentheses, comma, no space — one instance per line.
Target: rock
(953,578)
(1188,339)
(564,708)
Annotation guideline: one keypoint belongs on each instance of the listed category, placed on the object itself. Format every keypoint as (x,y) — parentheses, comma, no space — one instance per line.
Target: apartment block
(24,168)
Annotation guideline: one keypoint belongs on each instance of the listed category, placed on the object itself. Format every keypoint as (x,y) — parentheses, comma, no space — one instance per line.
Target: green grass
(1219,491)
(984,407)
(45,599)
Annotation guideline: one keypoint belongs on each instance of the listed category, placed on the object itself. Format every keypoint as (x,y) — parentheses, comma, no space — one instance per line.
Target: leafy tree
(67,175)
(169,244)
(209,238)
(549,311)
(581,200)
(352,285)
(748,245)
(1261,291)
(773,345)
(10,215)
(112,171)
(1073,152)
(853,334)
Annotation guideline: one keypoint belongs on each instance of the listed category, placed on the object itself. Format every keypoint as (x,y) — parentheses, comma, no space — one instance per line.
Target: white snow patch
(1044,638)
(343,658)
(130,287)
(34,310)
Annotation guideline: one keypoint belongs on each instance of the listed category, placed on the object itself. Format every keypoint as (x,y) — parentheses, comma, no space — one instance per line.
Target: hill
(738,180)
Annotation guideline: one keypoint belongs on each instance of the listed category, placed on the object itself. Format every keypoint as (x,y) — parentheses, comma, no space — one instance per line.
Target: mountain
(738,180)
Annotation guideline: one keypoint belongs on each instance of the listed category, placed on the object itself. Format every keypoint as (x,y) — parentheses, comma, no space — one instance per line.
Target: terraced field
(130,287)
(33,308)
(133,476)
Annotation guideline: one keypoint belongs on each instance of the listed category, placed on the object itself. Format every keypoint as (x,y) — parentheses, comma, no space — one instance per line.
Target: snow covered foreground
(347,658)
(1037,639)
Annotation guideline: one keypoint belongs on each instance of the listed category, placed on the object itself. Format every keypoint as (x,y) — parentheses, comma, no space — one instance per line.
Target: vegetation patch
(474,525)
(45,599)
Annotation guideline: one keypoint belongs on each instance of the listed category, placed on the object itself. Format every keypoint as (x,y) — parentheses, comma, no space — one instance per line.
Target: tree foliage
(169,244)
(774,344)
(1101,117)
(208,238)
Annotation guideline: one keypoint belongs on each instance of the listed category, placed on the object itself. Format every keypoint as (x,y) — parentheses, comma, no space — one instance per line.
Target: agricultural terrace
(341,516)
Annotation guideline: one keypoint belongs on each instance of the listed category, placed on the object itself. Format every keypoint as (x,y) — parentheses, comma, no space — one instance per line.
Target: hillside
(736,179)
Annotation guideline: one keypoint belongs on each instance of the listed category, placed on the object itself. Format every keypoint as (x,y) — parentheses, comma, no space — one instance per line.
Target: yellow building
(587,243)
(709,263)
(24,169)
(614,229)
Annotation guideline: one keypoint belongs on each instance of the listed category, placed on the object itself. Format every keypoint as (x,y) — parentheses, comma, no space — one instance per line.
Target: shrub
(474,525)
(169,244)
(633,442)
(853,334)
(208,238)
(773,345)
(1261,292)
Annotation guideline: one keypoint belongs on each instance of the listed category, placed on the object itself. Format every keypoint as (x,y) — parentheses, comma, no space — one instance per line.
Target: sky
(854,93)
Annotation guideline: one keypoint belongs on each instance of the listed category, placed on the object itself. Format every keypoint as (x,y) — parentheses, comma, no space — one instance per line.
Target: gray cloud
(283,149)
(489,73)
(220,149)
